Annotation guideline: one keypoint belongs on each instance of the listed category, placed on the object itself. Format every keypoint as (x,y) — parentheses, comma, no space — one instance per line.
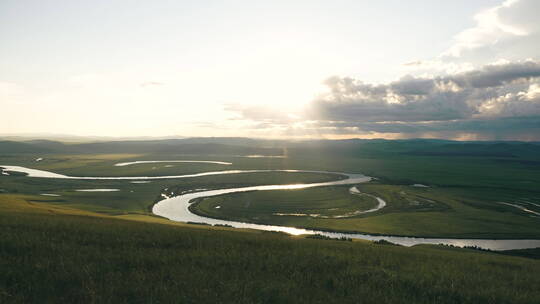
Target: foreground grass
(54,254)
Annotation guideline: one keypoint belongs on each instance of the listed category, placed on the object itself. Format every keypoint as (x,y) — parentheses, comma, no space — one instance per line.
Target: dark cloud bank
(499,101)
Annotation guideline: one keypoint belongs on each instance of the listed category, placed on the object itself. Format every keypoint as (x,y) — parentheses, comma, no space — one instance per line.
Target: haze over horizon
(463,70)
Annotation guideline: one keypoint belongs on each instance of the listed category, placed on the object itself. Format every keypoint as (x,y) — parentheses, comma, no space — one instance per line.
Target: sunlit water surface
(177,208)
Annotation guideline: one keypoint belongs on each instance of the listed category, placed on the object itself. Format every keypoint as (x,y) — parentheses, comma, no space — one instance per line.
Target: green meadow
(410,211)
(57,254)
(468,183)
(107,247)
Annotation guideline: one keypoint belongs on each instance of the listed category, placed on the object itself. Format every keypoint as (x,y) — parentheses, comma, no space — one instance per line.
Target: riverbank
(346,226)
(410,212)
(180,209)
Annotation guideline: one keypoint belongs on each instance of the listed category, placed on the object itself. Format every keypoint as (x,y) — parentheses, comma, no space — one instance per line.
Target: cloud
(409,99)
(507,32)
(499,74)
(510,30)
(486,85)
(260,113)
(150,84)
(508,89)
(495,100)
(414,63)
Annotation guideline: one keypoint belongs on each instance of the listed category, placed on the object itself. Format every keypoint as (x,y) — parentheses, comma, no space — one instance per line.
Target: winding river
(177,208)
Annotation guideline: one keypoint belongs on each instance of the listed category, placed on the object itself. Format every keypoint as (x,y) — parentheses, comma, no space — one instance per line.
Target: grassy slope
(56,254)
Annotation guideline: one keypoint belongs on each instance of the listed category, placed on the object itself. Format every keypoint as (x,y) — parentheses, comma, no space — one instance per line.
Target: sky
(464,70)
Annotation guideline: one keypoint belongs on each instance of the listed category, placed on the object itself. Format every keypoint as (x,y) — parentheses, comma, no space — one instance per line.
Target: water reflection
(177,209)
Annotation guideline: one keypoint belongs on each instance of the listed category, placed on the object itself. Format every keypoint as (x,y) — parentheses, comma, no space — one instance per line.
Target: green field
(468,183)
(325,202)
(57,254)
(132,197)
(429,212)
(107,247)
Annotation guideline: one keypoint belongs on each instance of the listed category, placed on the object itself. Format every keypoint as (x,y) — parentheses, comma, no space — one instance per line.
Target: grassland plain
(131,197)
(467,190)
(410,211)
(51,253)
(316,202)
(107,247)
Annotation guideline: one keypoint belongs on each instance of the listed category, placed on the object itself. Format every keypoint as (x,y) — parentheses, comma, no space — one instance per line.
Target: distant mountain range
(248,146)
